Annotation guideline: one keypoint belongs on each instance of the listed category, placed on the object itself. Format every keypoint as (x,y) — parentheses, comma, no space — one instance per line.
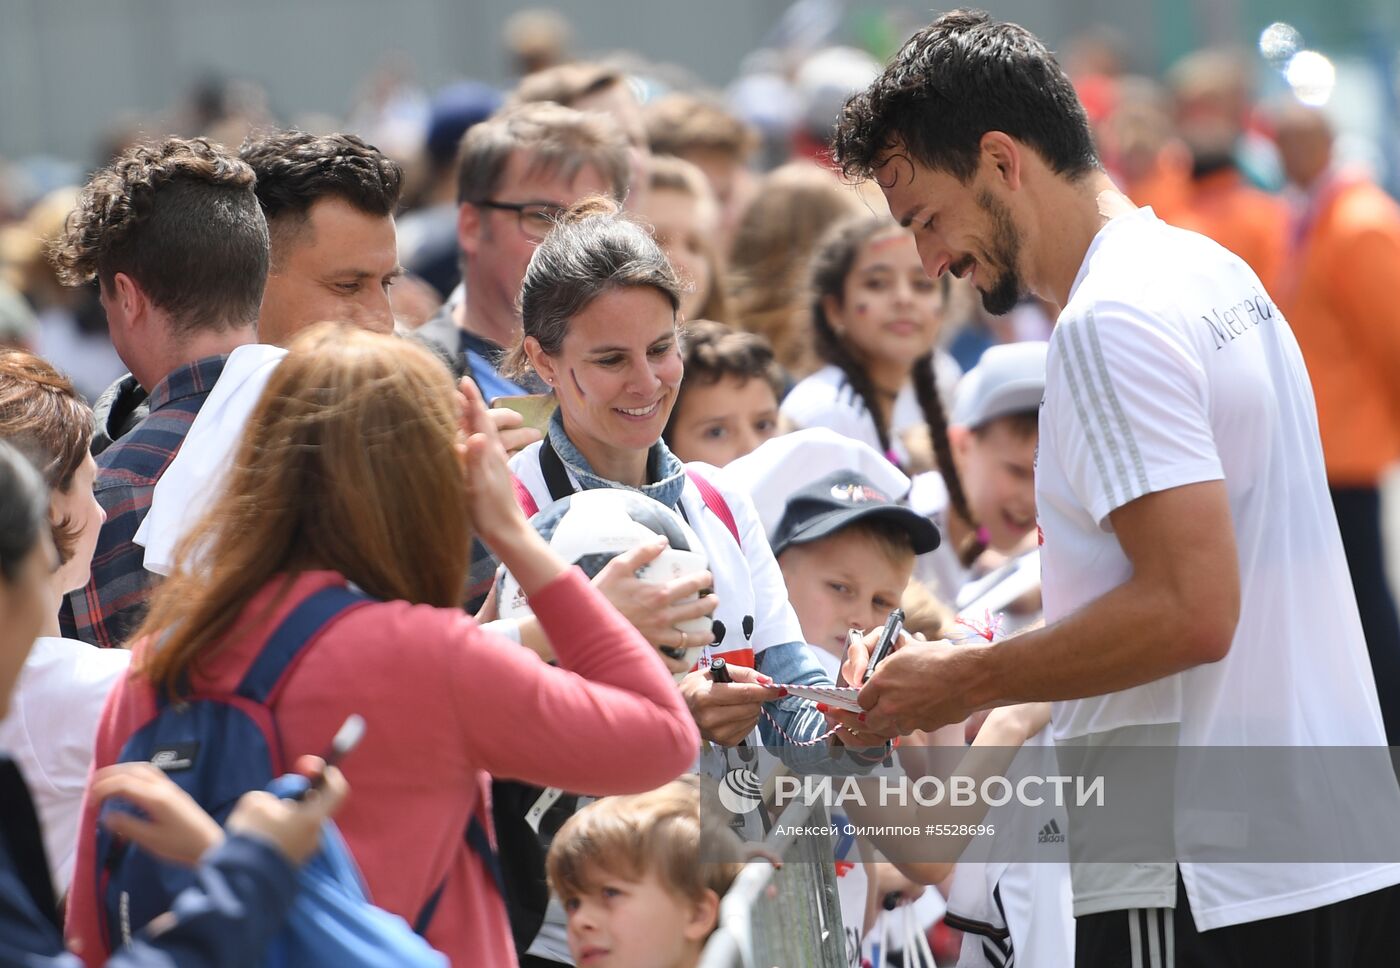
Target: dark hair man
(1195,588)
(329,202)
(173,234)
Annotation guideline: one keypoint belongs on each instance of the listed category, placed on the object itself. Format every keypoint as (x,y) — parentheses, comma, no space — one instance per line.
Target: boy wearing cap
(983,495)
(846,551)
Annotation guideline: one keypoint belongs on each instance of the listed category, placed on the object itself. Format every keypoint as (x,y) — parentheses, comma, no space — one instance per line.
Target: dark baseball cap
(839,500)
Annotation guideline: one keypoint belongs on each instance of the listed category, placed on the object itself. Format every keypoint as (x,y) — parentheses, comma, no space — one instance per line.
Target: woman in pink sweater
(354,469)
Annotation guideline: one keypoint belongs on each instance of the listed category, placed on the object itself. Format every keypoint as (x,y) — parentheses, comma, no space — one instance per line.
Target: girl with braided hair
(875,318)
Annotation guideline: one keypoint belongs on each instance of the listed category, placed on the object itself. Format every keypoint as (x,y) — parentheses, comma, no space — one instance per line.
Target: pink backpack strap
(714,500)
(523,497)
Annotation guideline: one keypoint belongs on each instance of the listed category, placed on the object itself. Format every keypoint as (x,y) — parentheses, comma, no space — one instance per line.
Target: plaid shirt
(112,604)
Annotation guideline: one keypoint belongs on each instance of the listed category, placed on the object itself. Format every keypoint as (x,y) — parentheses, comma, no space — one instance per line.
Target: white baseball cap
(781,467)
(1008,379)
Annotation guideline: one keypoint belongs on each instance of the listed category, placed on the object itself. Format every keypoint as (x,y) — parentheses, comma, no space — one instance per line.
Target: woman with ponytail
(599,306)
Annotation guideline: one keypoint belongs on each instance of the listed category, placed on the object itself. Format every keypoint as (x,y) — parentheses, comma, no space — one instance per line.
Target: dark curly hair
(960,77)
(180,218)
(714,351)
(295,170)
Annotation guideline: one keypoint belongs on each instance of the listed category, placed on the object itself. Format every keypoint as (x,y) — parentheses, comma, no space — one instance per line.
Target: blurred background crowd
(1182,98)
(1193,106)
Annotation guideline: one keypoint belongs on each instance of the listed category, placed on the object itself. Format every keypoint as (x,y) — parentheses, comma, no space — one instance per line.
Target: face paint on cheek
(574,376)
(862,309)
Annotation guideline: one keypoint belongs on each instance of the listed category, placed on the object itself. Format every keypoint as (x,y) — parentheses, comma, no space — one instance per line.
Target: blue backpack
(216,747)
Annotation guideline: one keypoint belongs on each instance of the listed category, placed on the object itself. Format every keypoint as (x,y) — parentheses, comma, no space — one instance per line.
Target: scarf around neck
(665,472)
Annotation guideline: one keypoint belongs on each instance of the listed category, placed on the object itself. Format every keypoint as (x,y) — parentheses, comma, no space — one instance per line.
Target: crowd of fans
(254,363)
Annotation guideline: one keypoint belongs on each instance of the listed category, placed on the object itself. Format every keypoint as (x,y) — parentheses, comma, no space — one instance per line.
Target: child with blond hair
(628,873)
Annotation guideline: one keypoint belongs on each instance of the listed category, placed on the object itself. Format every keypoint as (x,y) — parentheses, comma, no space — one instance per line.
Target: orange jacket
(1341,293)
(1221,206)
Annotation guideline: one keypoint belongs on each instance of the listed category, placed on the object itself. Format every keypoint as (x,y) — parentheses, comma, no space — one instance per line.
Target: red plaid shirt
(112,604)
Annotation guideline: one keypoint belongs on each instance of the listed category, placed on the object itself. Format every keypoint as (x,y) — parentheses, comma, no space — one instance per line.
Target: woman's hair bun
(591,206)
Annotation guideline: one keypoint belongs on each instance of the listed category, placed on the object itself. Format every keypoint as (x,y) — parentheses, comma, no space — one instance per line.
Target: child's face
(638,924)
(846,581)
(997,468)
(726,419)
(890,310)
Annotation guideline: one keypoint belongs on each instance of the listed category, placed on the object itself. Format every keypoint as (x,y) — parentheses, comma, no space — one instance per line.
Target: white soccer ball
(590,528)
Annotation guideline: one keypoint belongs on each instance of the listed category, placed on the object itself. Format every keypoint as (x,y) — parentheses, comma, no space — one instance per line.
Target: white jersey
(1017,912)
(827,399)
(753,612)
(1170,366)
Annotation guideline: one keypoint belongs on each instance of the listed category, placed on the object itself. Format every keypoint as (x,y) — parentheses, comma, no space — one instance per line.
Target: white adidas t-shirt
(1019,909)
(1169,366)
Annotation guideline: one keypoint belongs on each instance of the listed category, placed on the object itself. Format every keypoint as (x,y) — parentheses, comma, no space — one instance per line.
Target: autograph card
(839,697)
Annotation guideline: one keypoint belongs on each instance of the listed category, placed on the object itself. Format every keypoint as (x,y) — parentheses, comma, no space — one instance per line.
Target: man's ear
(469,226)
(130,300)
(704,916)
(1002,157)
(542,362)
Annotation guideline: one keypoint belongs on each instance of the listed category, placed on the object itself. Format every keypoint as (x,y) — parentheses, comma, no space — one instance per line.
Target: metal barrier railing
(788,917)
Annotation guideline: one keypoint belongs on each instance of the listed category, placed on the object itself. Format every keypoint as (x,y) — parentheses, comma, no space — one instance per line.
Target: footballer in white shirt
(1195,589)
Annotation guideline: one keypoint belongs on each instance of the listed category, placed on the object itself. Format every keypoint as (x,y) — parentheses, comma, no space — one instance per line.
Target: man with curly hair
(174,237)
(1195,588)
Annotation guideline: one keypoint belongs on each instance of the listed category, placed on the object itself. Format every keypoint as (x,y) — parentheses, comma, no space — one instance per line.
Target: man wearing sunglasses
(515,174)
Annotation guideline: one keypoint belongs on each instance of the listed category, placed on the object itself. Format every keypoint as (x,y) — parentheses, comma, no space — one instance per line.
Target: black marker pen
(888,637)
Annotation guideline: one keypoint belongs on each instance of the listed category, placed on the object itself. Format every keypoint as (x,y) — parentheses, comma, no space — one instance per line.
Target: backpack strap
(523,497)
(294,634)
(480,844)
(715,501)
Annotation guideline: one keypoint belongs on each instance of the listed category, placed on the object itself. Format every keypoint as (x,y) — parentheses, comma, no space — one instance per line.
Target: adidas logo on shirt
(1051,833)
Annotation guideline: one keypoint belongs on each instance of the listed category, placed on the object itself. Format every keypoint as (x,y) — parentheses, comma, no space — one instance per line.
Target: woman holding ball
(600,305)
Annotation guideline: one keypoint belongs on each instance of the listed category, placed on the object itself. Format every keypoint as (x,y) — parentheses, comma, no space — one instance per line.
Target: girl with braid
(875,318)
